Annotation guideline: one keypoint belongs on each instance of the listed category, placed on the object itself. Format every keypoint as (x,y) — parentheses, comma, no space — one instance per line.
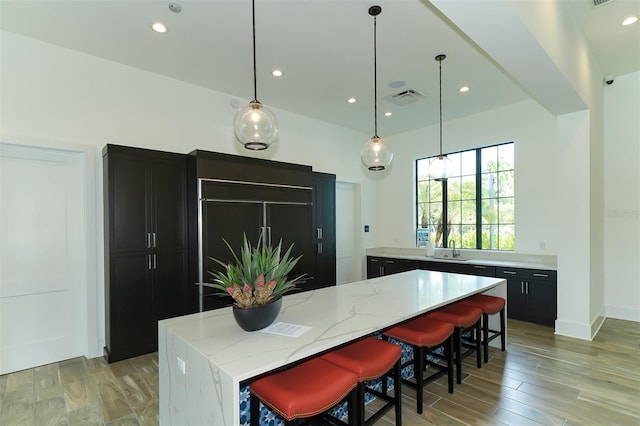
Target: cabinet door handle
(373,260)
(155,263)
(149,262)
(509,272)
(527,287)
(479,266)
(269,235)
(541,275)
(522,287)
(155,240)
(320,248)
(389,261)
(148,239)
(381,270)
(319,233)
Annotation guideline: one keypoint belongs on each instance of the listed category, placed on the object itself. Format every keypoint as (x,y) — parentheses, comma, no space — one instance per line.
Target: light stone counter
(470,257)
(218,355)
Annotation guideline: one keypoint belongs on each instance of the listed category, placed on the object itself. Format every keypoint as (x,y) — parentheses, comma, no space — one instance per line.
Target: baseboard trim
(623,313)
(573,329)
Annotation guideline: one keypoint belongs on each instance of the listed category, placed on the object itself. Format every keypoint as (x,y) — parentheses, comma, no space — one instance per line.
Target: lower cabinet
(531,294)
(381,266)
(142,291)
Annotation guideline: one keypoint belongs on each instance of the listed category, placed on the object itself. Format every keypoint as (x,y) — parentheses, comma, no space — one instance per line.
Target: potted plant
(256,282)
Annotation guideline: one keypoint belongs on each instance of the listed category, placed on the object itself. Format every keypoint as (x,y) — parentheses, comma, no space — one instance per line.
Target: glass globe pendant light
(376,154)
(255,125)
(441,167)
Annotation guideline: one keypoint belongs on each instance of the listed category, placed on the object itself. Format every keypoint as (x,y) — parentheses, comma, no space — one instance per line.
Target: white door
(42,301)
(348,244)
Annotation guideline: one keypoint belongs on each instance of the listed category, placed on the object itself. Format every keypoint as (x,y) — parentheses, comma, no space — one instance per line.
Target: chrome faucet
(452,243)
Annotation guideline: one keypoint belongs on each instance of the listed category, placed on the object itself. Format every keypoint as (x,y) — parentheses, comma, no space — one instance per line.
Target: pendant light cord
(440,108)
(375,79)
(255,82)
(440,58)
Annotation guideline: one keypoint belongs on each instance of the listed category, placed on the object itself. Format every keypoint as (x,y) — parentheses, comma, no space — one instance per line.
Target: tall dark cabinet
(145,204)
(324,228)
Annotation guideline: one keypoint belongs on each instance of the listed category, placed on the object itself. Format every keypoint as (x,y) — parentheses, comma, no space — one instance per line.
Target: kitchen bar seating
(425,334)
(489,305)
(304,391)
(370,359)
(461,317)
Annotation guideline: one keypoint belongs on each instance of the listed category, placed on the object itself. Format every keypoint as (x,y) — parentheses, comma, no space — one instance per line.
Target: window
(478,202)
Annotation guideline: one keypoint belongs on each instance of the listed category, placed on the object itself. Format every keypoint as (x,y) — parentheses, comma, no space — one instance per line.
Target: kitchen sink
(450,259)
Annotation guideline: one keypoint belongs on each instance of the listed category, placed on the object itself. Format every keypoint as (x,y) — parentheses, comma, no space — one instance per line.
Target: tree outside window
(477,202)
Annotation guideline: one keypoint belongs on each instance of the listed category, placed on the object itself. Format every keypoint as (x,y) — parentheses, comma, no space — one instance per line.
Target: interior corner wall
(622,197)
(57,96)
(531,127)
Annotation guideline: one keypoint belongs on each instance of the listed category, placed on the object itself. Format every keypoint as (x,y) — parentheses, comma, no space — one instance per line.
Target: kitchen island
(204,357)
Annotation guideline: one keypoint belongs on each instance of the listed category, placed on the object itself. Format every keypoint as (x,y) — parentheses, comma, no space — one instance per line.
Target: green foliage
(259,275)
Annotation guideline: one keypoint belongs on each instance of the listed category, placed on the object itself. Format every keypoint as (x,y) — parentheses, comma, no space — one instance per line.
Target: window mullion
(478,198)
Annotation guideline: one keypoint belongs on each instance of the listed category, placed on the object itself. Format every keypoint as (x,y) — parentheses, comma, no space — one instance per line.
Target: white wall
(622,197)
(55,97)
(531,127)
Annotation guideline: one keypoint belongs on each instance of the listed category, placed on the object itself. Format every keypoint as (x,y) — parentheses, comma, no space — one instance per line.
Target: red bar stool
(304,391)
(461,317)
(489,305)
(370,359)
(425,334)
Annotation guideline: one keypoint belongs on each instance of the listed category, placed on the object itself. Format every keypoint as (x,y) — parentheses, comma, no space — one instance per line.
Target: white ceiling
(324,47)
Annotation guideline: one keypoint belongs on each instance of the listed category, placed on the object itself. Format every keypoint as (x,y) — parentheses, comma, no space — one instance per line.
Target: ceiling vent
(601,2)
(405,97)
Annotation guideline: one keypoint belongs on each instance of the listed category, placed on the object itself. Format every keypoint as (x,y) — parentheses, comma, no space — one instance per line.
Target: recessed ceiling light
(159,27)
(464,89)
(388,114)
(396,84)
(352,100)
(276,73)
(630,20)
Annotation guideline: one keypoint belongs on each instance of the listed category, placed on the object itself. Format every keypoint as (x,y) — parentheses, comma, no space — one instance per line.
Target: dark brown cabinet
(324,228)
(531,294)
(145,246)
(381,266)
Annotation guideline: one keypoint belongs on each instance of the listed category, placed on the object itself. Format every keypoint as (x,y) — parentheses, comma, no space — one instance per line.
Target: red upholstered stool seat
(489,305)
(461,316)
(303,391)
(369,359)
(424,334)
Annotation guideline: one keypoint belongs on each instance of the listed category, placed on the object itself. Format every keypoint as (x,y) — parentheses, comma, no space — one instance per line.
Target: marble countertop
(336,315)
(470,257)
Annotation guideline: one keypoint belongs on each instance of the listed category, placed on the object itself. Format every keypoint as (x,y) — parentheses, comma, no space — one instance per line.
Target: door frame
(92,285)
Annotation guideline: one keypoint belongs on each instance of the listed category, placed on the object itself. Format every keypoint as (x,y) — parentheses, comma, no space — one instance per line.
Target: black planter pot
(257,318)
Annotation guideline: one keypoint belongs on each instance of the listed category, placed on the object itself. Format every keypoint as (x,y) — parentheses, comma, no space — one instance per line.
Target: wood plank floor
(541,379)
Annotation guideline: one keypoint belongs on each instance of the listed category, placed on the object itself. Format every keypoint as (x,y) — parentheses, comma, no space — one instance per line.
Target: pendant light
(255,125)
(376,154)
(441,167)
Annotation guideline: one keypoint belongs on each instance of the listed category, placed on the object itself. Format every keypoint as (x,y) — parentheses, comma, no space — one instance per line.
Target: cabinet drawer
(526,274)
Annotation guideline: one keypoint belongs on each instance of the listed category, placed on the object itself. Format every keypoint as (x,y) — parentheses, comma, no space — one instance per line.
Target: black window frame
(445,190)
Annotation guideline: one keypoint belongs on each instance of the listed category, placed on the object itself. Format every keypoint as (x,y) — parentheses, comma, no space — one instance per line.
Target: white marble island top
(218,354)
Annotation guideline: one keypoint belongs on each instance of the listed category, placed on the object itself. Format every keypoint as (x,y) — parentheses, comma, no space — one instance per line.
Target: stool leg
(448,354)
(457,352)
(418,370)
(503,336)
(478,345)
(397,390)
(254,410)
(352,407)
(359,411)
(485,336)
